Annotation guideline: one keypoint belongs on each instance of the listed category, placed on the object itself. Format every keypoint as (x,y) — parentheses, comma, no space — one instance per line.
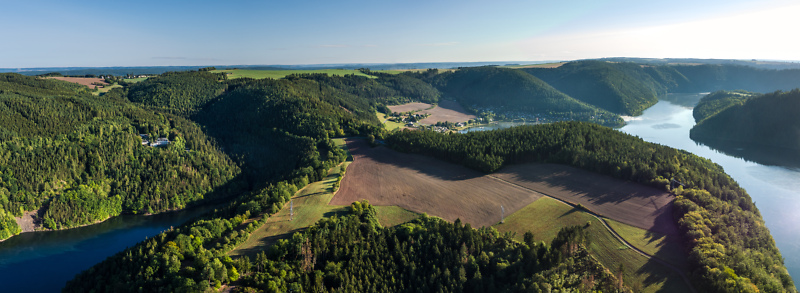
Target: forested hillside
(769,119)
(355,254)
(79,159)
(731,249)
(177,92)
(709,78)
(503,90)
(622,88)
(718,101)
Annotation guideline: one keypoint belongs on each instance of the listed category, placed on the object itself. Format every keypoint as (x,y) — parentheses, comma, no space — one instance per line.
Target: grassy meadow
(545,217)
(311,205)
(389,125)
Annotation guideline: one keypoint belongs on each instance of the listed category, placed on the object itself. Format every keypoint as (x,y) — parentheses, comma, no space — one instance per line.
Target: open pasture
(87,81)
(447,110)
(410,107)
(425,185)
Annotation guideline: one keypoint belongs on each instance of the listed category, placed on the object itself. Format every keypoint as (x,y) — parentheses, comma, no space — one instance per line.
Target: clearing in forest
(425,185)
(87,81)
(410,107)
(311,204)
(447,110)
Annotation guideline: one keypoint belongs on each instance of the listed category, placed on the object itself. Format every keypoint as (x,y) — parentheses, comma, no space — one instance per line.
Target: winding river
(45,261)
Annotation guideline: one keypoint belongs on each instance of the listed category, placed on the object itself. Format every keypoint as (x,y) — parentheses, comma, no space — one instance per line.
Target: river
(774,189)
(45,261)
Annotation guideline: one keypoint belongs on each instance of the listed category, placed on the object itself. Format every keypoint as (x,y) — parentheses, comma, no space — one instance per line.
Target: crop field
(87,81)
(410,107)
(546,216)
(310,205)
(447,111)
(669,248)
(425,185)
(627,202)
(277,74)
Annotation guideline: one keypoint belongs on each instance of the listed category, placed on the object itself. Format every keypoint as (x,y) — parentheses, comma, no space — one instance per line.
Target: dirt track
(423,184)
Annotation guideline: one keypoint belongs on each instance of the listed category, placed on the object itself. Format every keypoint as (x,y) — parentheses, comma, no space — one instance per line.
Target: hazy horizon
(149,33)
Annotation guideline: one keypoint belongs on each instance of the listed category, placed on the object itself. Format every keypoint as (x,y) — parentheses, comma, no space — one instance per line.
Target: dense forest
(353,253)
(622,88)
(718,101)
(78,159)
(768,119)
(731,249)
(516,93)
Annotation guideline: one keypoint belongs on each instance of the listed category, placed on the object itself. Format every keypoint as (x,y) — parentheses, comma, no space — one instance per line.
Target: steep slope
(770,120)
(78,158)
(718,101)
(177,92)
(622,88)
(508,90)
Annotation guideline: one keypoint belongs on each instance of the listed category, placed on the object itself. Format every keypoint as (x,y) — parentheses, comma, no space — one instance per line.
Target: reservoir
(45,261)
(774,189)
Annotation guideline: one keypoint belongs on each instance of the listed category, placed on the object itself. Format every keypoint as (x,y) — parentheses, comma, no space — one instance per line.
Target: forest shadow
(761,154)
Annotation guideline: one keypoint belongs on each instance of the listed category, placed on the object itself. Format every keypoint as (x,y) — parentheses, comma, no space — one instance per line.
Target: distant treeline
(731,248)
(769,119)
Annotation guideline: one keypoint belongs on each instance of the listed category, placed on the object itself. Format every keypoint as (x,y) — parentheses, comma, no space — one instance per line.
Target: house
(161,141)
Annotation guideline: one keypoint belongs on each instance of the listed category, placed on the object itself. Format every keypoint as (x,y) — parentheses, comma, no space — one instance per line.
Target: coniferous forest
(76,159)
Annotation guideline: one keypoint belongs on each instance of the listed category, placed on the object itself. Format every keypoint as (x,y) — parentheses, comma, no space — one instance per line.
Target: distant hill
(769,119)
(622,88)
(177,92)
(709,78)
(761,64)
(510,90)
(718,101)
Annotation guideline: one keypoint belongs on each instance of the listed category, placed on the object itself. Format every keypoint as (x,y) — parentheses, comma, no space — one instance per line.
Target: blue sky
(143,33)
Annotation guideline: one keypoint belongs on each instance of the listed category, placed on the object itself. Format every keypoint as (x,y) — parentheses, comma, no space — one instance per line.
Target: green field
(546,216)
(105,89)
(277,74)
(658,245)
(389,125)
(311,205)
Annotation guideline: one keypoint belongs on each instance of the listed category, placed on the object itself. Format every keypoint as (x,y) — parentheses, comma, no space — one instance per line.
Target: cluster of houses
(159,142)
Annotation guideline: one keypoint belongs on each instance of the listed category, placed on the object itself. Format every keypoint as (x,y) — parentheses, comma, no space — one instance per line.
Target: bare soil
(450,111)
(26,222)
(624,201)
(87,81)
(410,107)
(425,185)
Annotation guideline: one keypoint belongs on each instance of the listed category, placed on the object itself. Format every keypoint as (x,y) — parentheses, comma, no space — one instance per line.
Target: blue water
(45,261)
(774,189)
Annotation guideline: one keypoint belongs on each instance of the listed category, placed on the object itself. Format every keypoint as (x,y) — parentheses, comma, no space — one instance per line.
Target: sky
(170,32)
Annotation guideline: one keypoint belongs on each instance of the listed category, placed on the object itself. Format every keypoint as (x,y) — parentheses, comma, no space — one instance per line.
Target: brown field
(627,202)
(447,111)
(87,81)
(410,107)
(421,184)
